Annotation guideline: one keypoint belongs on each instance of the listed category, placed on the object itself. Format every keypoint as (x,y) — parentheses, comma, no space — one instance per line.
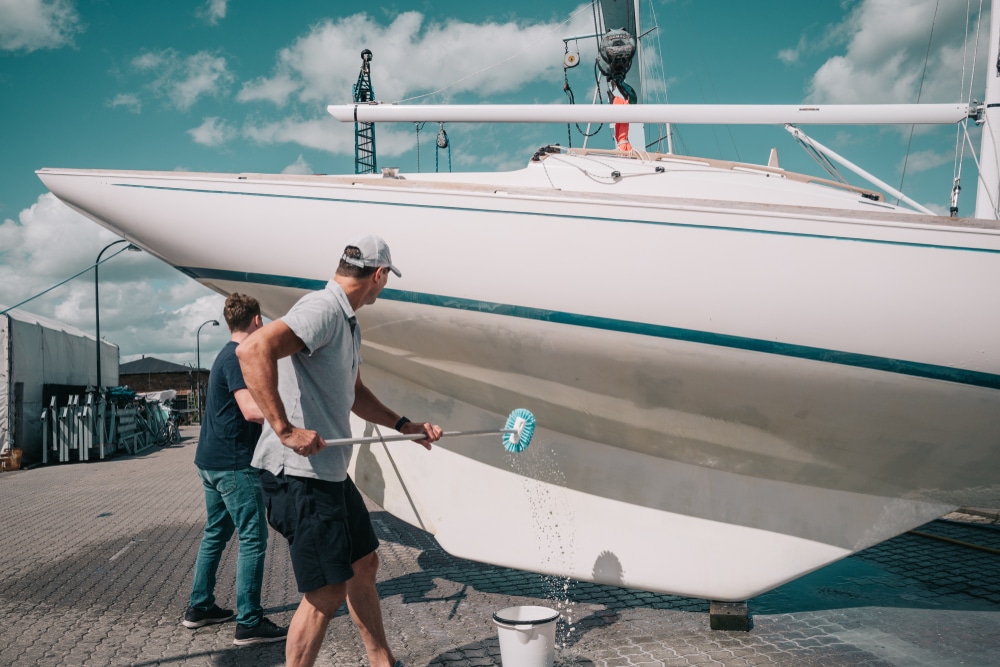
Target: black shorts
(326,524)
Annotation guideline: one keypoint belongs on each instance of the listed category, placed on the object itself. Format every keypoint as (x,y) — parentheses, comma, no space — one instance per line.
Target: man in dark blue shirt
(229,433)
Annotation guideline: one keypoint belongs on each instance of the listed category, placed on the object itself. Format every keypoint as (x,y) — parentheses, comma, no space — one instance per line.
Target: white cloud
(146,306)
(202,73)
(212,11)
(844,138)
(128,101)
(275,90)
(320,134)
(213,131)
(792,55)
(926,160)
(184,79)
(300,166)
(326,134)
(413,57)
(887,46)
(36,240)
(150,60)
(30,25)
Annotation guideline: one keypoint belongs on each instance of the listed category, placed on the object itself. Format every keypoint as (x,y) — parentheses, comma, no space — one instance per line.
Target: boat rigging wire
(828,153)
(956,170)
(653,76)
(975,158)
(963,126)
(572,100)
(59,284)
(975,55)
(419,127)
(686,20)
(920,90)
(614,175)
(995,206)
(821,159)
(598,31)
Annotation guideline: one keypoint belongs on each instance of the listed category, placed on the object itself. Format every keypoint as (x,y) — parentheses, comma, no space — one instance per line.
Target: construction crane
(364,133)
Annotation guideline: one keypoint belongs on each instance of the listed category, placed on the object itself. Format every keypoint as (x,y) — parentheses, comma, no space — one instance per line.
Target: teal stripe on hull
(885,364)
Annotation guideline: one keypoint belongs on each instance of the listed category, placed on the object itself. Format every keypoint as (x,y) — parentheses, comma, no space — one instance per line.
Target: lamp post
(97,310)
(197,338)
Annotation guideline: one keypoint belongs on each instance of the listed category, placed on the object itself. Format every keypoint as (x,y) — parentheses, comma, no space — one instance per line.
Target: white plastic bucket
(527,636)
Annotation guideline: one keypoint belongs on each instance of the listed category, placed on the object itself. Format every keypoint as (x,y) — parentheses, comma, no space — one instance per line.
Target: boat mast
(988,190)
(623,15)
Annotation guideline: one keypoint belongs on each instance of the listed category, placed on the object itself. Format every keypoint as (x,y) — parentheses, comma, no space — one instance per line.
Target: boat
(739,374)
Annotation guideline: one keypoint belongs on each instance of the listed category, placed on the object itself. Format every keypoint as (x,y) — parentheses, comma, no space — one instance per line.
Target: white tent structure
(36,351)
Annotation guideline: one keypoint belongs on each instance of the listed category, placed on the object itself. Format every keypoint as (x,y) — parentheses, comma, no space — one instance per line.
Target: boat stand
(731,616)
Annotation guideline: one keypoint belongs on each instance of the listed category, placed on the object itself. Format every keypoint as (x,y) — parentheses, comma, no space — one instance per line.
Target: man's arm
(248,406)
(368,407)
(258,355)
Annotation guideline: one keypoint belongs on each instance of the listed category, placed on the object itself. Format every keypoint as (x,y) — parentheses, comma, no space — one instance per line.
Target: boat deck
(517,184)
(98,561)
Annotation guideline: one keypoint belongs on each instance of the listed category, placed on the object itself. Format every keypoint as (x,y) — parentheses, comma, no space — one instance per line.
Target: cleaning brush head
(520,427)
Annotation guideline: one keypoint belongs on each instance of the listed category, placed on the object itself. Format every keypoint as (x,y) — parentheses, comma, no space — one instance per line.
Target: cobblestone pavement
(97,558)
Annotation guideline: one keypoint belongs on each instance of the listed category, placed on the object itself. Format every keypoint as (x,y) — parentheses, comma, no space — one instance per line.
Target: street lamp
(197,338)
(97,309)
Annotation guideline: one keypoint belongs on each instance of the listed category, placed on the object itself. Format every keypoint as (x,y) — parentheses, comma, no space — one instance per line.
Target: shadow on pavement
(475,653)
(264,655)
(908,571)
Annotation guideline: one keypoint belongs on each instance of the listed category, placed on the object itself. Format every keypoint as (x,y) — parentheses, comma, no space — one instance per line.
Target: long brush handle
(416,436)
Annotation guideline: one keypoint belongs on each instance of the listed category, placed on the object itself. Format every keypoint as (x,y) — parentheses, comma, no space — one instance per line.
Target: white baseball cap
(374,253)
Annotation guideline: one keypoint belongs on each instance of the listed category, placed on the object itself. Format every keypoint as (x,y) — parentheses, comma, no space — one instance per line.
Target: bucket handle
(530,625)
(518,626)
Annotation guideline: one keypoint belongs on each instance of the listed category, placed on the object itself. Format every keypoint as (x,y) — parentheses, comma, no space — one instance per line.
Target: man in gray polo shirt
(303,370)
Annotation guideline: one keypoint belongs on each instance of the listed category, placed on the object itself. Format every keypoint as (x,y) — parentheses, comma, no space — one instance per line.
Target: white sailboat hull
(729,393)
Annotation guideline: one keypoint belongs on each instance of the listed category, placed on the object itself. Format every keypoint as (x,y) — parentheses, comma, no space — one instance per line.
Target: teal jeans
(235,504)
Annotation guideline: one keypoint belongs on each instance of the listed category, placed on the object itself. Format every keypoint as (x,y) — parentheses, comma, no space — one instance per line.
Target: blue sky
(242,85)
